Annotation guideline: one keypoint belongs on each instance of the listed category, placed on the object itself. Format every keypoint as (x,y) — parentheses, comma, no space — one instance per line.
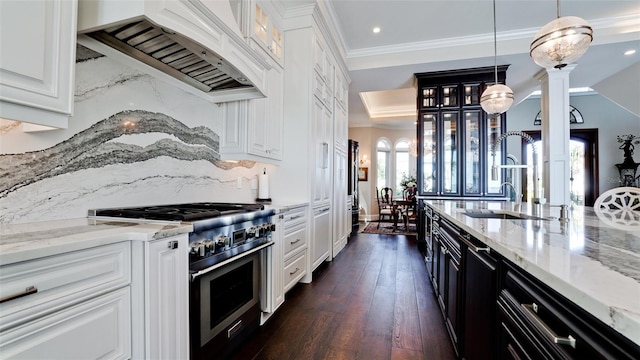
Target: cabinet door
(96,329)
(273,277)
(452,301)
(37,61)
(167,297)
(430,153)
(442,267)
(480,292)
(450,148)
(265,119)
(323,155)
(472,171)
(321,236)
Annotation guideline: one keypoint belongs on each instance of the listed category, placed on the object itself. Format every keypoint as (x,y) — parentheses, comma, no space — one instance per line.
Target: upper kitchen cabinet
(37,61)
(252,129)
(266,29)
(456,133)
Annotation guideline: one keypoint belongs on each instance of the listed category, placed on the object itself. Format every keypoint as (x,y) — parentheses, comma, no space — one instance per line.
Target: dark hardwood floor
(373,301)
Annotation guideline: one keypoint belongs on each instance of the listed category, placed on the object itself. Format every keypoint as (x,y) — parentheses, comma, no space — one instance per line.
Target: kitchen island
(586,262)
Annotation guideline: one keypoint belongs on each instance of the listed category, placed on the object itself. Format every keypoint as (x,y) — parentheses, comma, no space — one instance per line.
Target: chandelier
(561,42)
(496,98)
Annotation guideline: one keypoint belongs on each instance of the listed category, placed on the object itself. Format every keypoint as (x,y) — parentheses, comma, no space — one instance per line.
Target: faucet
(517,196)
(494,168)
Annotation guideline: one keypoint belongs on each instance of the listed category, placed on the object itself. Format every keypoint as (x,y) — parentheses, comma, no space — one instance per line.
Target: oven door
(224,295)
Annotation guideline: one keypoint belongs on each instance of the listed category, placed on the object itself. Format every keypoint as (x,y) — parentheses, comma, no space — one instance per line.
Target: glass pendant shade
(496,99)
(561,42)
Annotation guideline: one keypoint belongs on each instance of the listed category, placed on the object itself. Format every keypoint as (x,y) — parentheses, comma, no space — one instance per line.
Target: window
(393,164)
(383,154)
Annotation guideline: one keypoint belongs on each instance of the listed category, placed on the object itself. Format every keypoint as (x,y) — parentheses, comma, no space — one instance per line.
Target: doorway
(584,186)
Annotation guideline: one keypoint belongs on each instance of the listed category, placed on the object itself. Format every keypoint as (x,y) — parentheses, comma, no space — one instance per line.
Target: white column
(555,163)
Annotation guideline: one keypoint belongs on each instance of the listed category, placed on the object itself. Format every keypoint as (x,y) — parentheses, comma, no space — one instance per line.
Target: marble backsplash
(132,140)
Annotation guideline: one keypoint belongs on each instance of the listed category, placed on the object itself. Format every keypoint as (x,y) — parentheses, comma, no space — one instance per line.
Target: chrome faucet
(518,197)
(494,168)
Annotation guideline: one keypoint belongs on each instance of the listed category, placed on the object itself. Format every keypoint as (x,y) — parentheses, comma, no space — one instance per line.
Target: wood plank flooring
(373,301)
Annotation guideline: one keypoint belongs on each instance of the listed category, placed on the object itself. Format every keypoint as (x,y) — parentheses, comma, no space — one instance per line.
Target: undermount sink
(489,214)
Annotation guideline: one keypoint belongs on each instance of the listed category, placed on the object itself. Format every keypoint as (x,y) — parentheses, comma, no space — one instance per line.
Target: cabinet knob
(172,245)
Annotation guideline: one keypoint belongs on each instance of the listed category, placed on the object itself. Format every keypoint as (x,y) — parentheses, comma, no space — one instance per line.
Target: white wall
(97,163)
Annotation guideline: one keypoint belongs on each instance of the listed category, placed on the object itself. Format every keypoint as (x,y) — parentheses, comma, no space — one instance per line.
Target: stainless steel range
(225,267)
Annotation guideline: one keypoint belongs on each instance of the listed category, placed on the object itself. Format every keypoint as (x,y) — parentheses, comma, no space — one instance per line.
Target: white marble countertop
(591,262)
(21,242)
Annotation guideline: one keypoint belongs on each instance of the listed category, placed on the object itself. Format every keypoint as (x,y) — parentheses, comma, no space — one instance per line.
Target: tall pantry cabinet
(313,126)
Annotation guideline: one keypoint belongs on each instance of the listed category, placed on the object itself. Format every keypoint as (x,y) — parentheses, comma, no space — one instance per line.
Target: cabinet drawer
(294,270)
(559,328)
(295,240)
(294,217)
(61,280)
(96,329)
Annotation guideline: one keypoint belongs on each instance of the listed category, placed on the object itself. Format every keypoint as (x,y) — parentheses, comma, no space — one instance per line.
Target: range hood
(196,42)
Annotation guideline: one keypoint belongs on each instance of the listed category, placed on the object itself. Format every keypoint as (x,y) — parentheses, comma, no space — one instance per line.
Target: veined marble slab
(21,242)
(592,263)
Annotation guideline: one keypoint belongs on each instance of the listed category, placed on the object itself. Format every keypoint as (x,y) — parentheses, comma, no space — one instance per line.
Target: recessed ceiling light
(629,52)
(376,30)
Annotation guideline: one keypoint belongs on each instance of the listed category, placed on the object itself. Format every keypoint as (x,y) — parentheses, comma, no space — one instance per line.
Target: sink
(489,214)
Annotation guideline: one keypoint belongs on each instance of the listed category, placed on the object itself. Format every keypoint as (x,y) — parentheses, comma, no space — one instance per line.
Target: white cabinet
(252,129)
(322,236)
(37,60)
(323,123)
(285,257)
(76,305)
(167,296)
(341,214)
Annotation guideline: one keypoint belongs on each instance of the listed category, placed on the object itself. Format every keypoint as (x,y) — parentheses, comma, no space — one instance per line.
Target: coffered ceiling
(432,35)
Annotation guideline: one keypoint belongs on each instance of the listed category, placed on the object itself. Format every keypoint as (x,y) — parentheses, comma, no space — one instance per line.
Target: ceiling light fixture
(496,98)
(561,42)
(629,52)
(376,30)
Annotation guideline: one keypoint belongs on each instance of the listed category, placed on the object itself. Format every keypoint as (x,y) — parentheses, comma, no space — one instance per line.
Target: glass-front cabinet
(456,134)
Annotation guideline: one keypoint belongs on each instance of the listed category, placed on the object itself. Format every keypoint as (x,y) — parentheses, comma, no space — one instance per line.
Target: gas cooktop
(179,212)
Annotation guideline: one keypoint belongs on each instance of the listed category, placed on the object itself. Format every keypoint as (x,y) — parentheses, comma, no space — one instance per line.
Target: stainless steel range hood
(196,42)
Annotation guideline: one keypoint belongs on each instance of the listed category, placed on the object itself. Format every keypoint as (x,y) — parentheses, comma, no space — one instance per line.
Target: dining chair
(385,210)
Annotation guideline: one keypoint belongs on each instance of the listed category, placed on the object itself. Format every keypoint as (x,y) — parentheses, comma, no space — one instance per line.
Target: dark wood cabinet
(546,325)
(495,310)
(450,279)
(480,291)
(455,134)
(352,186)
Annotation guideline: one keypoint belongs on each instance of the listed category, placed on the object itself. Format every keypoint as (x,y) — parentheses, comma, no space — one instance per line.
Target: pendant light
(561,42)
(496,98)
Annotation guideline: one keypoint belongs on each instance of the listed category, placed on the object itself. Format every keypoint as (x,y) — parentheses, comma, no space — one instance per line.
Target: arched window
(383,163)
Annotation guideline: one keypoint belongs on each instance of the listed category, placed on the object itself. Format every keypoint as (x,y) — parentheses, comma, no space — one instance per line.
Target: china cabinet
(456,134)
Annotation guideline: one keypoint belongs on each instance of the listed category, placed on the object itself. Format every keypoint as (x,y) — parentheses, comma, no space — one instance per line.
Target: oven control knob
(251,232)
(209,246)
(193,248)
(272,227)
(263,230)
(198,249)
(222,241)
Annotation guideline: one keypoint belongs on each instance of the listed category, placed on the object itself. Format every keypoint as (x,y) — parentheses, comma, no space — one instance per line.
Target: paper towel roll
(263,186)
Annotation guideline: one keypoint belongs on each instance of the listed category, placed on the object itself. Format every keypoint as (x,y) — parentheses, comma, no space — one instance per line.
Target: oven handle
(223,263)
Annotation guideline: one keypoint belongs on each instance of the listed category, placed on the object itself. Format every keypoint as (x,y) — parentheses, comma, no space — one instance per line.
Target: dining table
(399,206)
